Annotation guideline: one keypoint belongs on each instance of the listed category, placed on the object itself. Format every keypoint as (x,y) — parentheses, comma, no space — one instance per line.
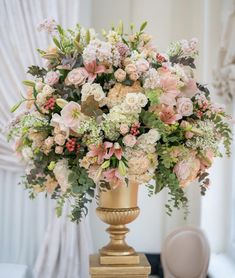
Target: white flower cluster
(102,51)
(134,102)
(147,141)
(92,90)
(152,79)
(62,172)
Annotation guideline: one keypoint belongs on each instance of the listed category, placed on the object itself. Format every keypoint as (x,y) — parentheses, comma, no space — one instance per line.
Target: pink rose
(186,170)
(168,115)
(129,140)
(120,75)
(52,77)
(184,106)
(142,65)
(124,129)
(77,77)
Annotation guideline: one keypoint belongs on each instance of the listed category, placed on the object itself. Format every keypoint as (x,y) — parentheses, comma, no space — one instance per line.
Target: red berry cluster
(160,58)
(72,145)
(135,129)
(50,104)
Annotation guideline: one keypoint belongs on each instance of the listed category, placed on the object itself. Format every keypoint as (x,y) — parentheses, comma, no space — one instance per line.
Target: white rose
(131,99)
(142,99)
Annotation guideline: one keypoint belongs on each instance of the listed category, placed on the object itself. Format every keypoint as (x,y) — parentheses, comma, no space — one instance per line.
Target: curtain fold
(23,222)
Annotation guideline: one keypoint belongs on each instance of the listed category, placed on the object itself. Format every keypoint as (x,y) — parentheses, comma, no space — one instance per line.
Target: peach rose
(120,75)
(59,139)
(142,65)
(77,77)
(186,170)
(130,68)
(134,76)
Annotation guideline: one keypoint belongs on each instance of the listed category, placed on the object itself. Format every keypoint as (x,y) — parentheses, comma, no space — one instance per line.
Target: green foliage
(153,95)
(37,71)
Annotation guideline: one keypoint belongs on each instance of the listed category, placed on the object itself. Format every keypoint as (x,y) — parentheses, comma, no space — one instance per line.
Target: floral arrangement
(100,113)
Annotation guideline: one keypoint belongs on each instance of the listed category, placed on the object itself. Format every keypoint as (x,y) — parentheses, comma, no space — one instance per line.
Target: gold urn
(118,207)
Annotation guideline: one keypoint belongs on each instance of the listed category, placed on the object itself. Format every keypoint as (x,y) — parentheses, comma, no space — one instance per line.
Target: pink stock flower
(113,177)
(93,69)
(168,115)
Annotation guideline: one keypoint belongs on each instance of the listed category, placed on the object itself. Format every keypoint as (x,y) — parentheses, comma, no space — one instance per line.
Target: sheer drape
(23,222)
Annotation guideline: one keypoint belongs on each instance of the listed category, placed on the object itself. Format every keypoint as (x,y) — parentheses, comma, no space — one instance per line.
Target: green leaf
(28,83)
(16,106)
(56,42)
(143,25)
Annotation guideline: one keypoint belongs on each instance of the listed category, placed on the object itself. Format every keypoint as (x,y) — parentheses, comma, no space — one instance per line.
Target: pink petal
(100,69)
(108,145)
(118,153)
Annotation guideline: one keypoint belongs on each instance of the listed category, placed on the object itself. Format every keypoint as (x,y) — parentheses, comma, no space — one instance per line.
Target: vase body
(117,208)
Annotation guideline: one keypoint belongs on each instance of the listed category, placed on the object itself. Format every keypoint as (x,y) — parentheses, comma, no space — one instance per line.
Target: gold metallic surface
(141,270)
(117,208)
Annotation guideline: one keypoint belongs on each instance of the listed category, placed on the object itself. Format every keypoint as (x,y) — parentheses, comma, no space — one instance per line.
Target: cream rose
(184,106)
(60,139)
(124,129)
(76,77)
(130,68)
(120,75)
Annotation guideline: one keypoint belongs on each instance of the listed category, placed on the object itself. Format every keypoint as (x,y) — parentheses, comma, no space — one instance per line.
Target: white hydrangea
(152,79)
(104,52)
(147,141)
(92,90)
(27,154)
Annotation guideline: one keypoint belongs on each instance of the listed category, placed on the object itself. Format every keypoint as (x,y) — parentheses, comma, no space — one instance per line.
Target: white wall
(168,21)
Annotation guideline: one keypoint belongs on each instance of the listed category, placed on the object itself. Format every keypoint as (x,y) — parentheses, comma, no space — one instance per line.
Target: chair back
(185,254)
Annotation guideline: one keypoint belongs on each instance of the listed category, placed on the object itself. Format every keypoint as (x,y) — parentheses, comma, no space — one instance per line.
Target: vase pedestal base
(114,260)
(139,270)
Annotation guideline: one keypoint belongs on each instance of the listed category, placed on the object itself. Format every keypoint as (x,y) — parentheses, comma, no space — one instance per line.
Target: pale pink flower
(59,149)
(169,84)
(115,150)
(168,115)
(52,77)
(184,106)
(188,134)
(72,115)
(124,129)
(187,170)
(77,77)
(113,177)
(123,49)
(60,139)
(48,25)
(190,88)
(142,66)
(206,159)
(129,140)
(100,151)
(93,69)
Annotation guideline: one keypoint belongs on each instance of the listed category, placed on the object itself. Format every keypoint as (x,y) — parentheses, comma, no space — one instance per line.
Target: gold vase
(117,208)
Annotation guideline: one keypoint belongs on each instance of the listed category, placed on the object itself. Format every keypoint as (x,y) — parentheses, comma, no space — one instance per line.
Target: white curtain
(23,222)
